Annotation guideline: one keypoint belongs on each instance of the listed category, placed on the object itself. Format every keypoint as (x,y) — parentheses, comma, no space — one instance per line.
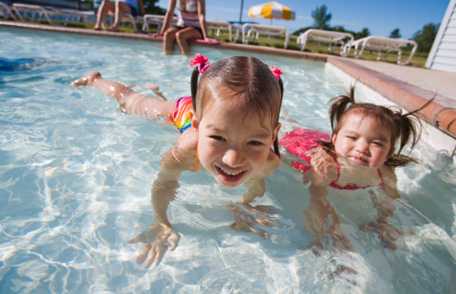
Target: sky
(379,16)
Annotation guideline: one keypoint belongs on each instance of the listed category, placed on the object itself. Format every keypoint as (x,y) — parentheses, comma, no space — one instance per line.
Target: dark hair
(251,81)
(405,128)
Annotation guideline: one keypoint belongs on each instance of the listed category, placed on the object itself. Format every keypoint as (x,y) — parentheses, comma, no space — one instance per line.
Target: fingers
(173,240)
(142,256)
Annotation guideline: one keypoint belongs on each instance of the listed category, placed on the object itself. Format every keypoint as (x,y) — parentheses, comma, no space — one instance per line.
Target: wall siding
(443,52)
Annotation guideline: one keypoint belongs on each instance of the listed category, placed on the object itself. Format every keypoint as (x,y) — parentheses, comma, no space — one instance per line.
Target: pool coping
(406,95)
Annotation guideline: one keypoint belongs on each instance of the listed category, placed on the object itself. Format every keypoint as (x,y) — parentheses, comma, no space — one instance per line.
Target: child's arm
(320,216)
(161,236)
(248,217)
(385,209)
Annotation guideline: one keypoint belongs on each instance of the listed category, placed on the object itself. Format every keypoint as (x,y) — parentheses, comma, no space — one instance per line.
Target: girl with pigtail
(362,152)
(228,126)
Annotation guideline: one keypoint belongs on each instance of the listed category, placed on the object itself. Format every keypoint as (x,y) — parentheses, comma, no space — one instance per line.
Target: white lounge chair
(218,26)
(152,19)
(5,12)
(255,29)
(383,44)
(32,12)
(328,37)
(74,16)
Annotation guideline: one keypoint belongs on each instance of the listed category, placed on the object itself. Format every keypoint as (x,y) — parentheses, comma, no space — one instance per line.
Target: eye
(350,137)
(255,143)
(378,143)
(217,138)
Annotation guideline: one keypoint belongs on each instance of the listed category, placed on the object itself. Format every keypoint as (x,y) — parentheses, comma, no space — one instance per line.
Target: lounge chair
(156,20)
(218,26)
(383,44)
(31,12)
(255,29)
(74,16)
(5,12)
(328,37)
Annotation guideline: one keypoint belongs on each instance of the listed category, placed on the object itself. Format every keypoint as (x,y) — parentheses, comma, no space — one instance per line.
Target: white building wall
(443,52)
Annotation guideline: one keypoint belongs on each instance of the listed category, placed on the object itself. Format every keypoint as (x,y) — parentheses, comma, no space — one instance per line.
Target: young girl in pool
(228,126)
(362,151)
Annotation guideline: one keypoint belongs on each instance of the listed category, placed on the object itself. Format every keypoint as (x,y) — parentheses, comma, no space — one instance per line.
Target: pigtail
(194,86)
(339,105)
(409,131)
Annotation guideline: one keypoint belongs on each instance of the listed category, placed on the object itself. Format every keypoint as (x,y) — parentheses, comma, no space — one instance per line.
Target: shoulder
(184,151)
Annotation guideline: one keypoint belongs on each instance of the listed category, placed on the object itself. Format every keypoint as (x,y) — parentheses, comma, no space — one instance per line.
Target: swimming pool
(75,178)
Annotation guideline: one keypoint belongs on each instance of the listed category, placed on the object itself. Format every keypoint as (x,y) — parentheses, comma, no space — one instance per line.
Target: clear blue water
(75,177)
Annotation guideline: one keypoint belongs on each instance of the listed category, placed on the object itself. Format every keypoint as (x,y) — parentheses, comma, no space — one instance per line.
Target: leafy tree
(151,7)
(425,37)
(321,17)
(395,34)
(361,34)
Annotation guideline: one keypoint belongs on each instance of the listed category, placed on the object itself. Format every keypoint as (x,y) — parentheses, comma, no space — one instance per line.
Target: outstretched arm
(161,234)
(249,217)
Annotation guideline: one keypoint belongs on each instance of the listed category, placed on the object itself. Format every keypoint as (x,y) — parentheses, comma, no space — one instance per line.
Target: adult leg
(105,7)
(184,36)
(121,8)
(168,40)
(130,101)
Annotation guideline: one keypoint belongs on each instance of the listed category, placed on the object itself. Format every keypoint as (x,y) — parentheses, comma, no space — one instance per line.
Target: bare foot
(154,88)
(86,80)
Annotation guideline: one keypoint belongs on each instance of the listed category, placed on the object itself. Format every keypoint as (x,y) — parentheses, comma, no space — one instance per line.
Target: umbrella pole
(240,13)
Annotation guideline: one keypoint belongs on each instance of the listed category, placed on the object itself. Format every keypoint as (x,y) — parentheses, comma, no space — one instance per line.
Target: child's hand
(387,233)
(249,218)
(323,164)
(158,239)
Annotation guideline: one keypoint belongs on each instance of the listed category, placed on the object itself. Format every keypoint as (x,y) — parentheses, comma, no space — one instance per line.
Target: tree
(396,33)
(425,37)
(151,7)
(321,17)
(361,34)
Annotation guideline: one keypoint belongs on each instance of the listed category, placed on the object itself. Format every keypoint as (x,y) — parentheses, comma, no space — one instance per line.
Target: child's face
(233,146)
(362,140)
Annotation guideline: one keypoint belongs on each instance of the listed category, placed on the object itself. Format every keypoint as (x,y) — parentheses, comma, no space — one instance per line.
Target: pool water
(75,178)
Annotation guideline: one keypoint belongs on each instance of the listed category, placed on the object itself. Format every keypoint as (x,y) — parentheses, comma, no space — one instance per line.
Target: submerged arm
(320,216)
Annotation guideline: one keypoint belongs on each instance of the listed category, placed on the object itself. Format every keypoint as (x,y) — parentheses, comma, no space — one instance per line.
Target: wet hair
(405,128)
(251,81)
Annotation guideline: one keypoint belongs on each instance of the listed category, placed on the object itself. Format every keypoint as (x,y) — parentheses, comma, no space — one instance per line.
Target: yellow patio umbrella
(271,10)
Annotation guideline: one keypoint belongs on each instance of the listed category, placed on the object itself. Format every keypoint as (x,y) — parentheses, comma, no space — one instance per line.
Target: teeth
(231,173)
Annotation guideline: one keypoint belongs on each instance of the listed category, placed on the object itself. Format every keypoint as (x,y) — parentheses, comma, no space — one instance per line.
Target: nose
(362,146)
(233,157)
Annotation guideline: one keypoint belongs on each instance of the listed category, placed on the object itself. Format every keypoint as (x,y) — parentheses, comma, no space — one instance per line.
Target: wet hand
(250,218)
(158,239)
(386,232)
(323,164)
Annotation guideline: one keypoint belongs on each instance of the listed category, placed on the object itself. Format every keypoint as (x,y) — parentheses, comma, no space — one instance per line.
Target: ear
(275,134)
(333,139)
(195,122)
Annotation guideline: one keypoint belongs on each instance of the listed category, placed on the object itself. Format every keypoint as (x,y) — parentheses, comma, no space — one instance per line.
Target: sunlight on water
(75,177)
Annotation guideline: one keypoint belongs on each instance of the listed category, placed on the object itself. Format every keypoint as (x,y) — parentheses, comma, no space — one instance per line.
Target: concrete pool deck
(408,87)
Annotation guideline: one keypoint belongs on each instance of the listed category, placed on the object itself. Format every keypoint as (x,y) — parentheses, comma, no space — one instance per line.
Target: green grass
(418,60)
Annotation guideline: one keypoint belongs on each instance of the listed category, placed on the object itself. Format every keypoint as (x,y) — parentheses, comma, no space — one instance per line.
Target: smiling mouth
(359,160)
(229,175)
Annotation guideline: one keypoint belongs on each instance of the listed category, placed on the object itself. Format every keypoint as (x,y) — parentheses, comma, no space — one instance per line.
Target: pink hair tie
(201,62)
(276,72)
